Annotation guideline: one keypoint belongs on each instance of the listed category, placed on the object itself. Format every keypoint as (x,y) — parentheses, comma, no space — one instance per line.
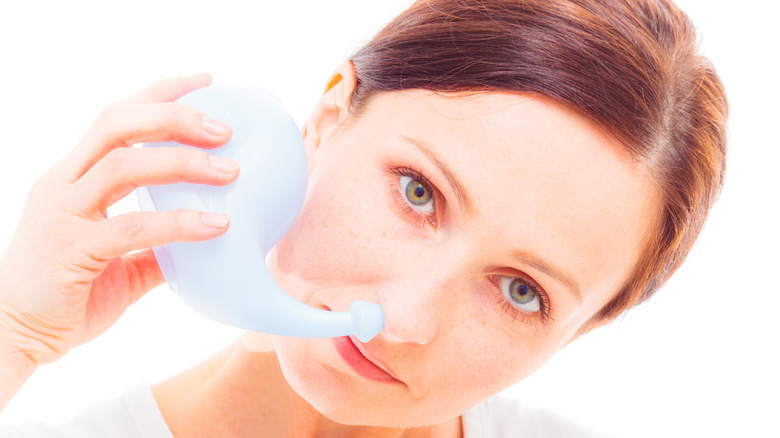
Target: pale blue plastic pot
(226,279)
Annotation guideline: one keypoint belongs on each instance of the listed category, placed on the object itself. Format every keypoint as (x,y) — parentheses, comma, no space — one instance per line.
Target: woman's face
(490,228)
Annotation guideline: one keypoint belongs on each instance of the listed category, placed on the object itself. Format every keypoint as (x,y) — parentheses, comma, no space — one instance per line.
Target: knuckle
(190,160)
(179,220)
(48,190)
(41,185)
(116,160)
(179,112)
(108,116)
(131,226)
(110,123)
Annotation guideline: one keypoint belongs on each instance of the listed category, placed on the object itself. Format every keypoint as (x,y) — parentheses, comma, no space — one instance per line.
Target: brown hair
(631,66)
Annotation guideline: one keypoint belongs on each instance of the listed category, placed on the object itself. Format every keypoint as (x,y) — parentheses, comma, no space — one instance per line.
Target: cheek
(494,351)
(490,361)
(336,240)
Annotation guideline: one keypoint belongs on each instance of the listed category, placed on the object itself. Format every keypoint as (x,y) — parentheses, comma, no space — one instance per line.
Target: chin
(312,369)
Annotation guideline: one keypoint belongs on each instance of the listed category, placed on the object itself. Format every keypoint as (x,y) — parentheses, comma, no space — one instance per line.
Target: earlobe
(331,109)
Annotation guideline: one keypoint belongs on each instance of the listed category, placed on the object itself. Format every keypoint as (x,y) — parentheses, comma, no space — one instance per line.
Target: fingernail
(214,126)
(224,164)
(214,220)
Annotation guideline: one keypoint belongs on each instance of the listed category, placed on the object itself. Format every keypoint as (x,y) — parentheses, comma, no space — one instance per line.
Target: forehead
(541,178)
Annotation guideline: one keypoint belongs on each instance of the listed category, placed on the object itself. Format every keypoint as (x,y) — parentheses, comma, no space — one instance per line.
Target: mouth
(359,362)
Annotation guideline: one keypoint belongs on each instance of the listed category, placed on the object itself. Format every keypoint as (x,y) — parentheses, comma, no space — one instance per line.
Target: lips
(359,362)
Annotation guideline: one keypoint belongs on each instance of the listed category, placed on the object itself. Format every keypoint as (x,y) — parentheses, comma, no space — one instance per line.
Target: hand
(70,272)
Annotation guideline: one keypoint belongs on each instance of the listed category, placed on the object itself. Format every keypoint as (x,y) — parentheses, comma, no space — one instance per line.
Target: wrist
(16,366)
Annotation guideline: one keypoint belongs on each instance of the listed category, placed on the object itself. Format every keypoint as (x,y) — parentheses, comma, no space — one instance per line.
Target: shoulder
(134,414)
(501,416)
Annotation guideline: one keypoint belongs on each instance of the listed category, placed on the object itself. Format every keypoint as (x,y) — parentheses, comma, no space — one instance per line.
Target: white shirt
(135,415)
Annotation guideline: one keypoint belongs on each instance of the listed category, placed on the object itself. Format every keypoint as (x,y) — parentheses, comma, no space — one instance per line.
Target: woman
(500,176)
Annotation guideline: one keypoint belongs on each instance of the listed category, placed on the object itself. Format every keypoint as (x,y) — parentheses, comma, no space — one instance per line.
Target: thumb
(123,283)
(143,273)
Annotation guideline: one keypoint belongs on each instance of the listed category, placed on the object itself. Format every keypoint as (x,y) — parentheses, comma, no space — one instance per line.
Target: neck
(241,391)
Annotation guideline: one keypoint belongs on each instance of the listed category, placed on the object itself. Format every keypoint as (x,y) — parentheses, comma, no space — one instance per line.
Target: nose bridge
(420,295)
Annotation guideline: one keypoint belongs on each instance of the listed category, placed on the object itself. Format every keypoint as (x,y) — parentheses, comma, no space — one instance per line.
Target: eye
(520,293)
(417,193)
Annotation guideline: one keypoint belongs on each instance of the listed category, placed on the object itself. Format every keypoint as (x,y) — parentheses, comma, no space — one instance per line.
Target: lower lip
(354,358)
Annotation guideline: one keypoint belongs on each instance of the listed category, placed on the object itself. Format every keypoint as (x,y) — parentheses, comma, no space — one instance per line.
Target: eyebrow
(523,257)
(457,187)
(551,271)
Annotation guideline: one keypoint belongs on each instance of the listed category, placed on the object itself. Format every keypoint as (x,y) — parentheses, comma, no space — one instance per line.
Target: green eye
(520,293)
(417,193)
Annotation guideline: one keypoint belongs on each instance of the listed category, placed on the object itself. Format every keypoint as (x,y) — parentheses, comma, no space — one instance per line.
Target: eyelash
(408,210)
(509,309)
(544,313)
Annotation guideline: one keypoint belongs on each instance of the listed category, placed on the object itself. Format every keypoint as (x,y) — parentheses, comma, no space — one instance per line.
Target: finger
(168,90)
(125,125)
(143,273)
(124,169)
(128,232)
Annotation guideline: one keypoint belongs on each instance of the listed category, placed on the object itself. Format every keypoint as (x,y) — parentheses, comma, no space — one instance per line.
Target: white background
(700,359)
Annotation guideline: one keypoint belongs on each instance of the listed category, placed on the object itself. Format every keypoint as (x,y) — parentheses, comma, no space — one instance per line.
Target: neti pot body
(226,279)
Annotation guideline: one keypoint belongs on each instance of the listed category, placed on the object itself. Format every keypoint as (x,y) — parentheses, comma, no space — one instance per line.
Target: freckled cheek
(487,361)
(338,239)
(498,351)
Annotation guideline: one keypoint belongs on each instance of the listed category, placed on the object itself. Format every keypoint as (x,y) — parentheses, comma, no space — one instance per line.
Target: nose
(416,305)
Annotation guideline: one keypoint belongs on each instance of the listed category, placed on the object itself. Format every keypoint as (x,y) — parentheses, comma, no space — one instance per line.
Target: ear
(331,110)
